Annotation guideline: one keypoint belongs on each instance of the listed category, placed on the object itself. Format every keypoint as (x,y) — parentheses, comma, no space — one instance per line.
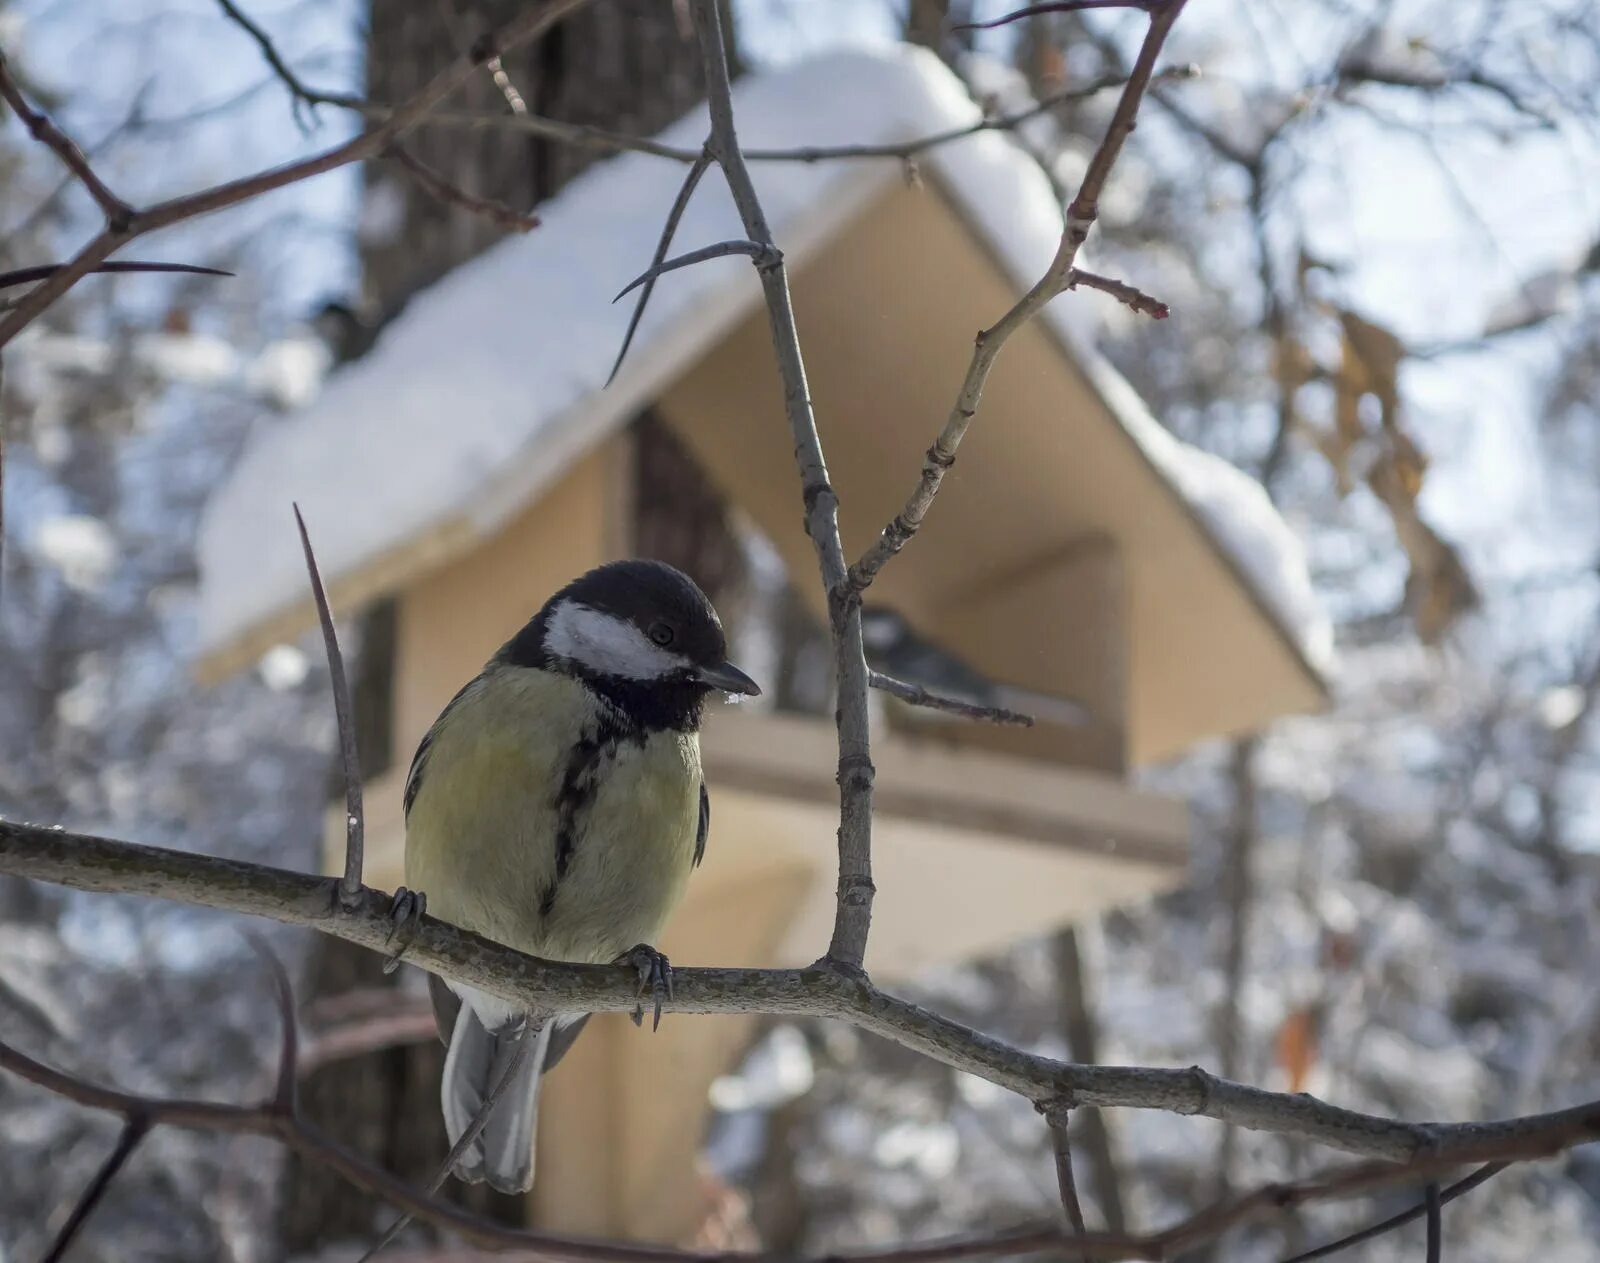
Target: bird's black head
(639,633)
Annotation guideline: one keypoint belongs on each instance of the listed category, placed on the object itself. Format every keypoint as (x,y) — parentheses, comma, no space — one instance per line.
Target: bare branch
(1462,1186)
(355,818)
(1061,1147)
(43,271)
(691,180)
(142,1113)
(531,21)
(473,1130)
(1080,218)
(1058,6)
(751,249)
(1121,291)
(286,1092)
(85,862)
(436,186)
(134,1129)
(853,917)
(302,95)
(916,695)
(48,134)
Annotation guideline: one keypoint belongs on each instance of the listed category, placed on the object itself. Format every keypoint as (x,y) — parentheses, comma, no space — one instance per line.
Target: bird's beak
(728,678)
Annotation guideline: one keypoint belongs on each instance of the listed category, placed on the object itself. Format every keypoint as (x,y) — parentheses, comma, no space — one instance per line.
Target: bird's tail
(502,1153)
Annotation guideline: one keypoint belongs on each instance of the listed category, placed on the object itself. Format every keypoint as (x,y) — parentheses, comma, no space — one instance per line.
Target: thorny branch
(124,223)
(1060,275)
(853,917)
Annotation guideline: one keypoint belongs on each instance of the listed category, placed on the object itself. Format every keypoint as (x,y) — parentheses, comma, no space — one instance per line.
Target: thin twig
(1080,218)
(303,97)
(1271,1201)
(853,914)
(721,250)
(1121,291)
(473,1130)
(680,203)
(43,271)
(436,186)
(916,695)
(602,140)
(1066,1182)
(286,1088)
(134,1129)
(355,818)
(43,130)
(1462,1186)
(85,862)
(1057,6)
(1435,1208)
(532,19)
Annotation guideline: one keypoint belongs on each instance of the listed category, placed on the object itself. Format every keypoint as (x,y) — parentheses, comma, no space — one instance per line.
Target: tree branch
(85,862)
(440,189)
(916,695)
(355,816)
(1061,1149)
(1080,217)
(282,1121)
(1121,291)
(48,134)
(120,229)
(853,917)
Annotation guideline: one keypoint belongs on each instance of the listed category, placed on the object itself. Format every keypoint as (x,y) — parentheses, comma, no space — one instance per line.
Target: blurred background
(1368,873)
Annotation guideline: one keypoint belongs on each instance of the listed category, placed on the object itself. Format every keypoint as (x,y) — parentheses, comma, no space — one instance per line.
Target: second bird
(557,806)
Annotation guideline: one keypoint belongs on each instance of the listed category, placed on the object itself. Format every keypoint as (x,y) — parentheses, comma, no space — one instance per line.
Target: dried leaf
(1379,354)
(1296,1046)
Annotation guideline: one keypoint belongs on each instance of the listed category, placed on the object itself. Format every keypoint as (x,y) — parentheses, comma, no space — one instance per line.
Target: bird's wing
(704,829)
(419,760)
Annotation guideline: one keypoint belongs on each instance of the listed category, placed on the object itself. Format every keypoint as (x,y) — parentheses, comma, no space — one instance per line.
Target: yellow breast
(542,822)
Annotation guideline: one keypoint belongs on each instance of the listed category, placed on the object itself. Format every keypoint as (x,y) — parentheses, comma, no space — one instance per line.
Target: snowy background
(1377,225)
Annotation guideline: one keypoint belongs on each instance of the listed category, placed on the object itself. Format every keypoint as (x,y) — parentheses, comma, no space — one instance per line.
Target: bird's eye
(661,634)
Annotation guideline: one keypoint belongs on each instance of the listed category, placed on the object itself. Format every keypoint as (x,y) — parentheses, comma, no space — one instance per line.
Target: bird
(557,805)
(895,647)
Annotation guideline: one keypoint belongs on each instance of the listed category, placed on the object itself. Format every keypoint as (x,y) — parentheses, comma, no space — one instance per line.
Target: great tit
(557,806)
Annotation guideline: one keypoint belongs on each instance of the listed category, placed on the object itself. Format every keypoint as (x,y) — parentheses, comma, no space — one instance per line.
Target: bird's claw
(655,975)
(405,915)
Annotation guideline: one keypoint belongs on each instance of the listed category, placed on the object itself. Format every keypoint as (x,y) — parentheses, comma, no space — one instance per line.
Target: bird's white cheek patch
(607,644)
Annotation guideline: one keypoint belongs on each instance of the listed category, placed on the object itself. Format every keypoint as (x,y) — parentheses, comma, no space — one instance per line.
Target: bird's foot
(405,915)
(655,975)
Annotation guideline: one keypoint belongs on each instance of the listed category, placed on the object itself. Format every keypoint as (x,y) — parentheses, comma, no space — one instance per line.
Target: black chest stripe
(580,785)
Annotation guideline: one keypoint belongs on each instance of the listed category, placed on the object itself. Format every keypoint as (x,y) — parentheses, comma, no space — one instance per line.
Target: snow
(81,547)
(285,374)
(529,327)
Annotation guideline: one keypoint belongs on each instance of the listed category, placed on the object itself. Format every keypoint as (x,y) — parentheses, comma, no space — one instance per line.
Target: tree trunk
(628,65)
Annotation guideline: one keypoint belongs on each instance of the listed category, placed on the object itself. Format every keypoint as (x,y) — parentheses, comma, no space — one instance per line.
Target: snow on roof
(490,383)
